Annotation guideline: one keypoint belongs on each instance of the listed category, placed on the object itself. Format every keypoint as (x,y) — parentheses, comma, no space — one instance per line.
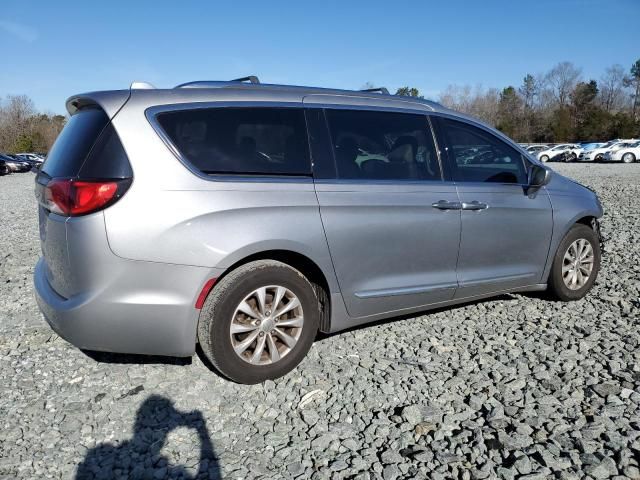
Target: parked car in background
(597,154)
(234,239)
(561,152)
(533,149)
(33,158)
(16,164)
(4,168)
(587,147)
(627,153)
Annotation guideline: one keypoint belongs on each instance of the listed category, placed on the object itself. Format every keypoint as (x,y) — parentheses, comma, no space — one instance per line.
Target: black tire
(556,286)
(571,157)
(218,310)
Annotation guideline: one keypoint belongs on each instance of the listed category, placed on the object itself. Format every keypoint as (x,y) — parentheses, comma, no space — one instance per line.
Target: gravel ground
(515,387)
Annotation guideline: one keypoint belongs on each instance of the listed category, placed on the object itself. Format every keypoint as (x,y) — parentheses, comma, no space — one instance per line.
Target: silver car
(247,217)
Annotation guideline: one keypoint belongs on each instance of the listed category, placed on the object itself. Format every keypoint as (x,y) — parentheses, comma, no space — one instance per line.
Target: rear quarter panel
(172,215)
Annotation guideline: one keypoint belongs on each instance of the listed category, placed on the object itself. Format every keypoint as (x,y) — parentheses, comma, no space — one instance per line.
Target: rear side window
(88,147)
(251,141)
(478,156)
(375,145)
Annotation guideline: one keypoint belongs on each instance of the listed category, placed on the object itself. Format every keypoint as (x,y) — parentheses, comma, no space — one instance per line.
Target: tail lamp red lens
(72,197)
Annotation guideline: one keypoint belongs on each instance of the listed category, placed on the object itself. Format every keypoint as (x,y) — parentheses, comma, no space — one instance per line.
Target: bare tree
(15,119)
(612,90)
(23,129)
(477,102)
(561,80)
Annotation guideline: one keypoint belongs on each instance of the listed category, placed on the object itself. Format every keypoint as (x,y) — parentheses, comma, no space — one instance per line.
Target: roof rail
(249,78)
(382,90)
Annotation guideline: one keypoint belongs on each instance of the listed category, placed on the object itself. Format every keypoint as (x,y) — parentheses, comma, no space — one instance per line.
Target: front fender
(567,211)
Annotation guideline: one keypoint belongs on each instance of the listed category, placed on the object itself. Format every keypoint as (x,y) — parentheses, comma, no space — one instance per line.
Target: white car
(587,147)
(550,153)
(597,154)
(627,153)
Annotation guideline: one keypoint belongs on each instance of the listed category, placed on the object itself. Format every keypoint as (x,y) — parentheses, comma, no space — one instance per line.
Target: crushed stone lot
(516,387)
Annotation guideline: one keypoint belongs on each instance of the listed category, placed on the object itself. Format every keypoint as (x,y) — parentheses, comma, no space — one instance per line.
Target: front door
(392,249)
(506,232)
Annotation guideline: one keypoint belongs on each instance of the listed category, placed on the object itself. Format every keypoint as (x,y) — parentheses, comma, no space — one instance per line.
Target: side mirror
(539,176)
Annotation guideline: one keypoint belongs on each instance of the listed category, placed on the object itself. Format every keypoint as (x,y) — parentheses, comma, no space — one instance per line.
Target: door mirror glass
(539,176)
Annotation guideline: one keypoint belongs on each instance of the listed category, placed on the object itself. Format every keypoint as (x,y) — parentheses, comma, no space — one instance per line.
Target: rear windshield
(252,141)
(88,147)
(74,142)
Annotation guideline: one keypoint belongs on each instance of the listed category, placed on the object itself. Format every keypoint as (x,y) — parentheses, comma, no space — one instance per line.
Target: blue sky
(50,50)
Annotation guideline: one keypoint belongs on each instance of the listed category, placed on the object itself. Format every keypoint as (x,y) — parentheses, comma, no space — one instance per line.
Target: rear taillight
(71,197)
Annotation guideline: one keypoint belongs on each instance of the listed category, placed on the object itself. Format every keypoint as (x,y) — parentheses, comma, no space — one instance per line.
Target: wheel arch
(585,217)
(301,262)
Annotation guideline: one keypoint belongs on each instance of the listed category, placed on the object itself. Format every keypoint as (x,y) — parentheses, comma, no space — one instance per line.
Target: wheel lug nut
(262,334)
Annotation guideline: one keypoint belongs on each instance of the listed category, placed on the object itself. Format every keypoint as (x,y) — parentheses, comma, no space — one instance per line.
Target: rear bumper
(143,307)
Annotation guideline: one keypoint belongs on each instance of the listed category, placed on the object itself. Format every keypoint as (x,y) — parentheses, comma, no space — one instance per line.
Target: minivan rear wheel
(259,321)
(576,264)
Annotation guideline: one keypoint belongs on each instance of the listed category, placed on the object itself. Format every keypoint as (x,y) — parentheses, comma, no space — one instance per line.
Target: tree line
(555,106)
(24,129)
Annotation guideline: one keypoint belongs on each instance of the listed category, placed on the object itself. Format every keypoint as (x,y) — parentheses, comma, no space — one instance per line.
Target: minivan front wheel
(259,321)
(576,264)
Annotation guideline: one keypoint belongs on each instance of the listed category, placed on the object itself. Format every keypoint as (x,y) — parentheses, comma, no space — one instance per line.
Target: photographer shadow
(140,457)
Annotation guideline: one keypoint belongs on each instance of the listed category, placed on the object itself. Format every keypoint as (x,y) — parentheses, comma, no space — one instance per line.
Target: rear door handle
(475,205)
(444,205)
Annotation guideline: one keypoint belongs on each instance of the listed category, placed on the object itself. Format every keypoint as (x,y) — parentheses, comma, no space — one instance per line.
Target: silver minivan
(247,217)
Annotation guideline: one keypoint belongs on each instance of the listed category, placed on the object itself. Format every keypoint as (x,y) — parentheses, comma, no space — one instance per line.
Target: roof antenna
(249,78)
(377,90)
(141,86)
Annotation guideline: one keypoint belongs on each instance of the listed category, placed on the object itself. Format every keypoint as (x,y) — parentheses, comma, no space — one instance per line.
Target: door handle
(444,205)
(475,205)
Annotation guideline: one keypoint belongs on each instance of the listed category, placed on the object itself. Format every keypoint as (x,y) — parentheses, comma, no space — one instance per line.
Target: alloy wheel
(577,264)
(266,325)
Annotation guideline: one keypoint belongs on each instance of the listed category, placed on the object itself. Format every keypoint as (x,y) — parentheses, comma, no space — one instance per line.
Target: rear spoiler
(110,101)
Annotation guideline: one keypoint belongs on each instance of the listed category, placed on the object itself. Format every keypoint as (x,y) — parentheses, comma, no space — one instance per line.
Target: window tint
(74,142)
(383,145)
(479,156)
(107,158)
(262,141)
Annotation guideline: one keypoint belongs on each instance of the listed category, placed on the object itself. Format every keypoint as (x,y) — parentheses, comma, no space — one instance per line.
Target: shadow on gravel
(133,359)
(207,363)
(140,458)
(499,298)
